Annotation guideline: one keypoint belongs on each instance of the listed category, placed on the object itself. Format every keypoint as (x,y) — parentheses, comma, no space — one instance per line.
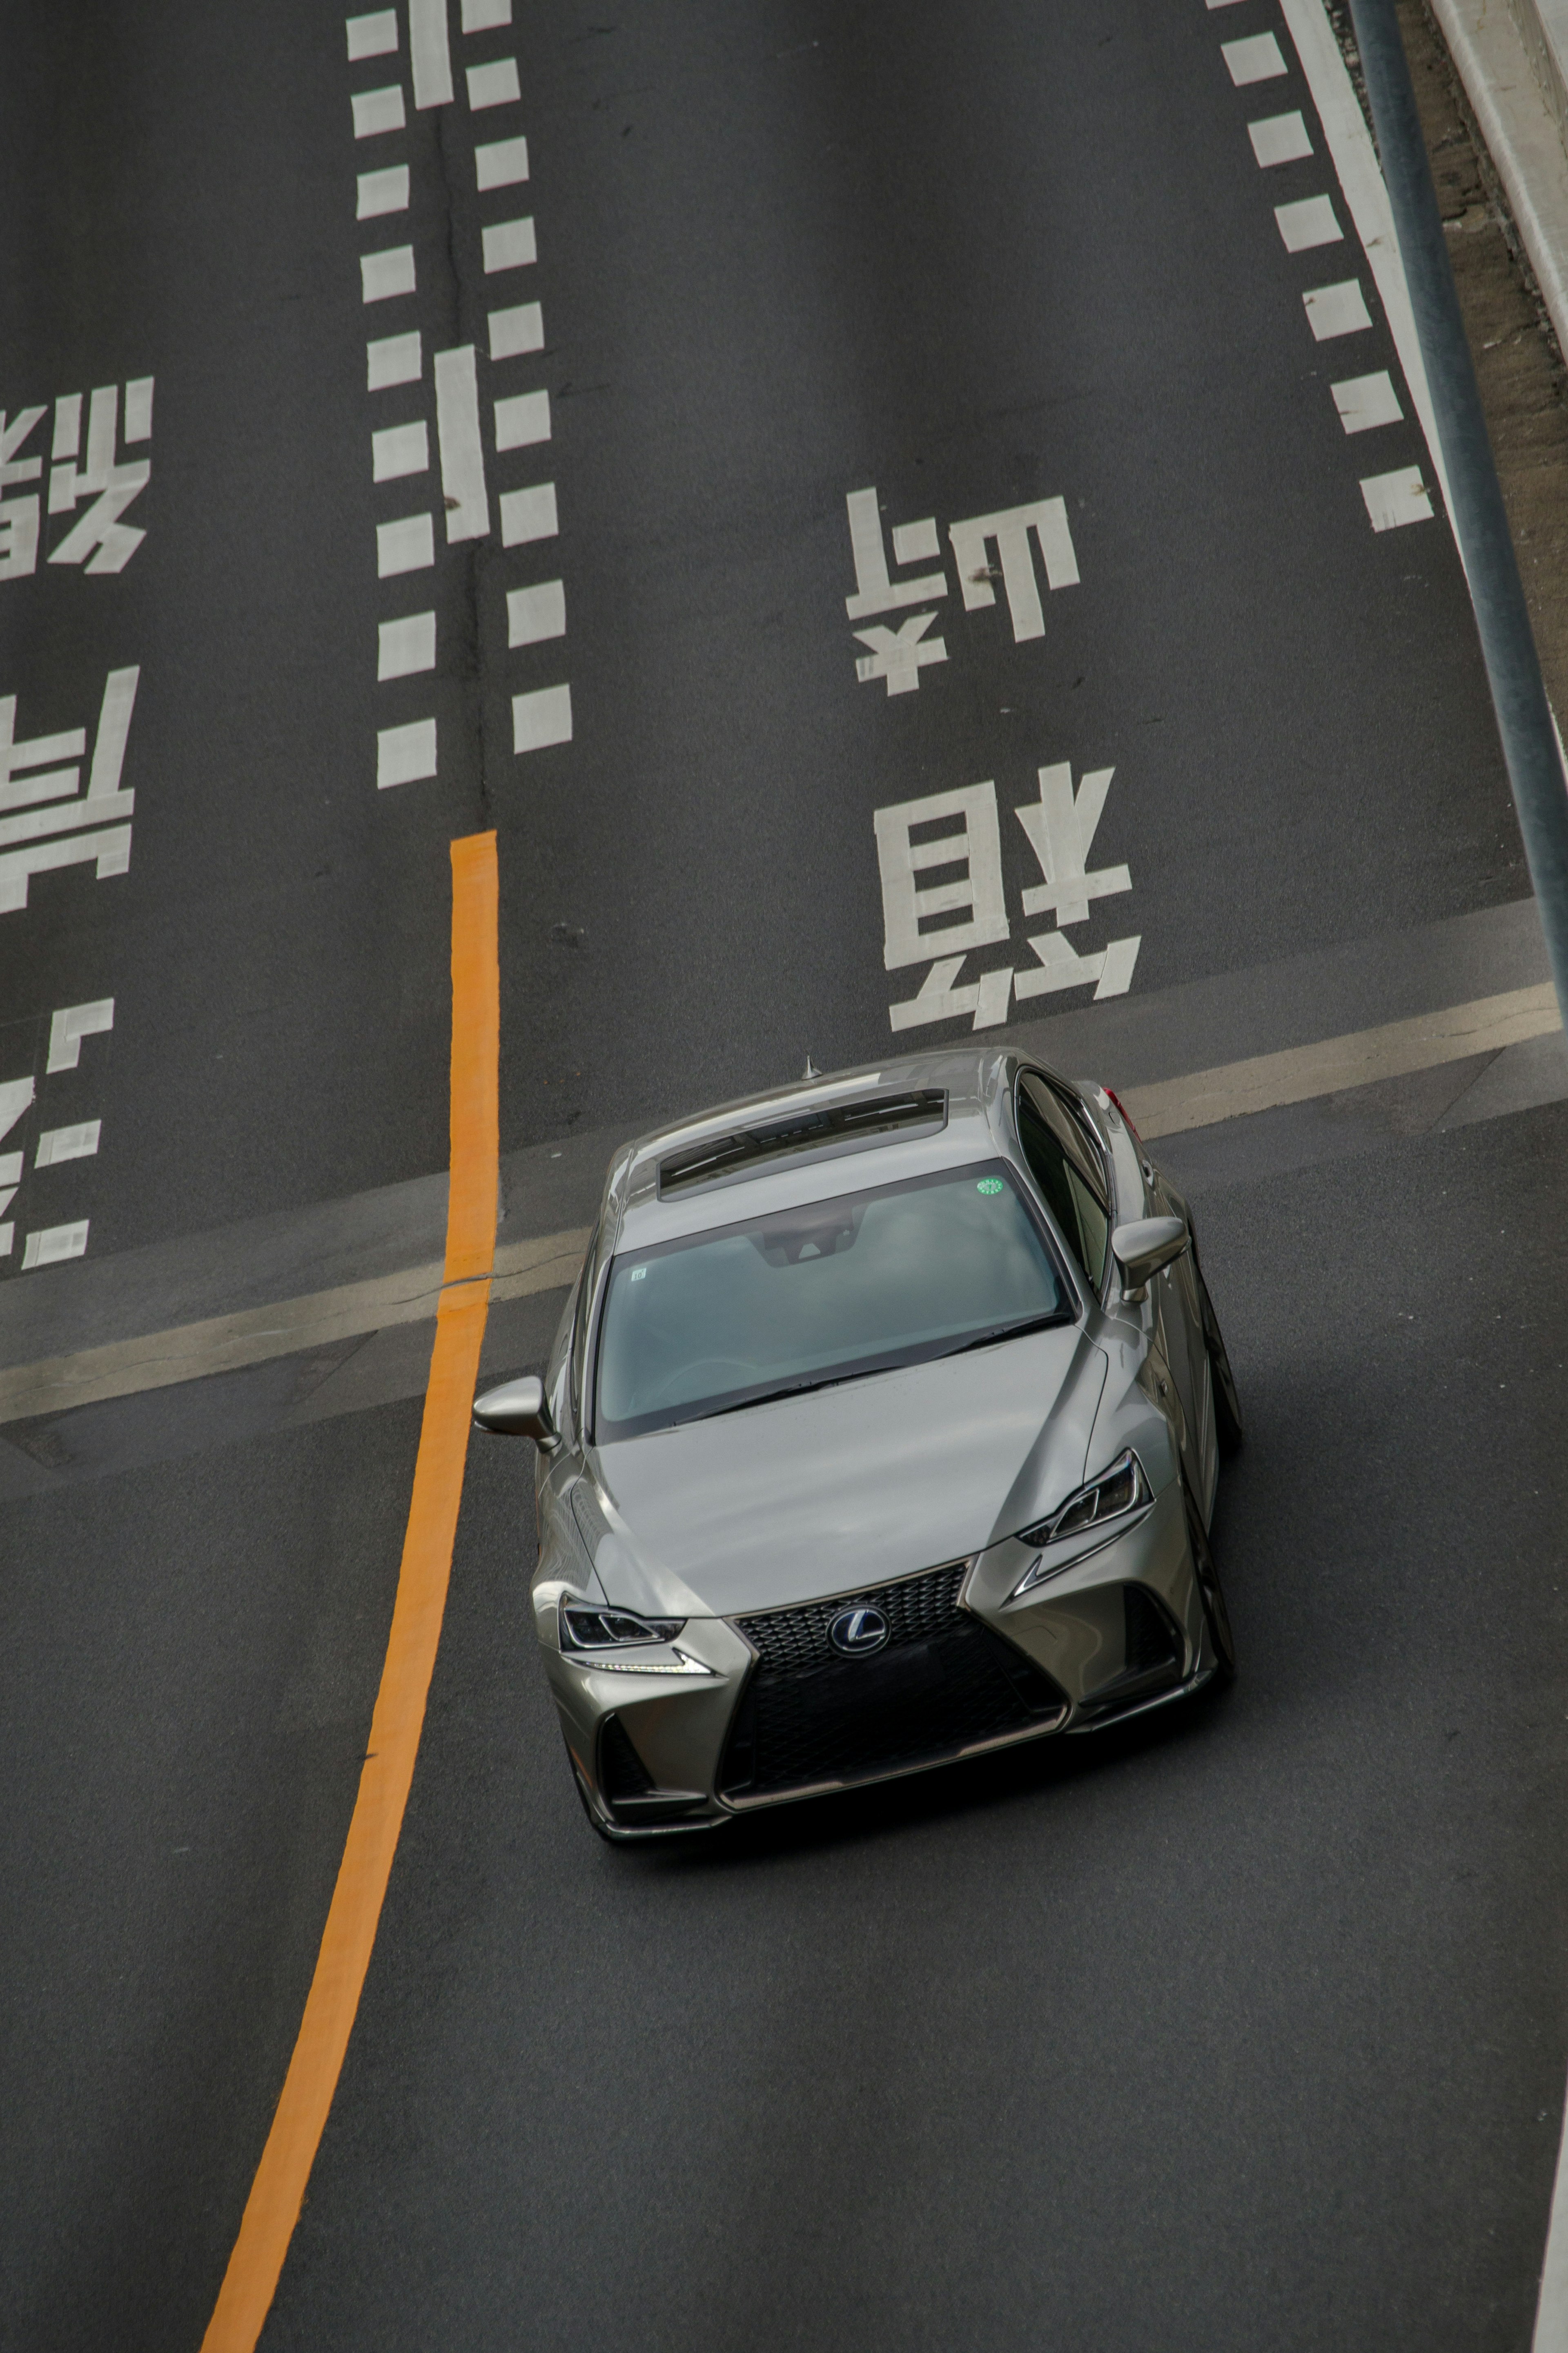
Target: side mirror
(517,1409)
(1142,1247)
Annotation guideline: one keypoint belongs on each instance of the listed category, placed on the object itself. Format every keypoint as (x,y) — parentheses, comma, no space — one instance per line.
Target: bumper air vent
(1153,1654)
(944,1683)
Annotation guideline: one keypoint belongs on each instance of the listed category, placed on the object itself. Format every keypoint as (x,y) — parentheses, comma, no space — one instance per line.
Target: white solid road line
(1332,1065)
(257,1335)
(457,434)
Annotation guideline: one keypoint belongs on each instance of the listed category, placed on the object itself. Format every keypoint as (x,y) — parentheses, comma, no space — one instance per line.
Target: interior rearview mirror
(518,1409)
(1141,1248)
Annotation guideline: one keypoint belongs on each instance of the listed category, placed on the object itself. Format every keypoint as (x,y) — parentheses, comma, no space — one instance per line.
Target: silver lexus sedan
(881,1429)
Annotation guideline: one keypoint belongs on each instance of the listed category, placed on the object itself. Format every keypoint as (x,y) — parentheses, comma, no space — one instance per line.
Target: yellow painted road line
(1268,1081)
(278,2188)
(252,1336)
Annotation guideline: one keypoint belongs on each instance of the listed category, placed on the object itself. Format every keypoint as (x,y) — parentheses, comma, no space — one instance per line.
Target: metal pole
(1529,746)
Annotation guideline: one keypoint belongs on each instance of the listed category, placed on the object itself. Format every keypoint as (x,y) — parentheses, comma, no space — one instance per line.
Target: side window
(1060,1157)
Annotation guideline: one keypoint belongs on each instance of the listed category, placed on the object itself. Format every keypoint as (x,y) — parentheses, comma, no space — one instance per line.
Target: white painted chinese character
(99,539)
(54,824)
(1061,828)
(913,542)
(971,841)
(899,655)
(1061,966)
(1048,520)
(19,517)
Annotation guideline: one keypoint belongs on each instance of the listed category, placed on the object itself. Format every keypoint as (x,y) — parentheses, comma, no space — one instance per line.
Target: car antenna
(811,1070)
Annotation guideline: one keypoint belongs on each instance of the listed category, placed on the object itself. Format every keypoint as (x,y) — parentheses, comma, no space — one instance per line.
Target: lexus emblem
(859,1631)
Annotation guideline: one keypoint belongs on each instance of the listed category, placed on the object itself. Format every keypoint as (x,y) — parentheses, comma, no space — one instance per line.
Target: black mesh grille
(942,1684)
(622,1773)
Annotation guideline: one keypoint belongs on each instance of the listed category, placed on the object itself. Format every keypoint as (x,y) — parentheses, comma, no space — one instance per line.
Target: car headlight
(626,1638)
(1107,1502)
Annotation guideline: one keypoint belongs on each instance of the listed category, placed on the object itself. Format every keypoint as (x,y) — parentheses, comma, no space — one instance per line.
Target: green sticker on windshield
(989,1184)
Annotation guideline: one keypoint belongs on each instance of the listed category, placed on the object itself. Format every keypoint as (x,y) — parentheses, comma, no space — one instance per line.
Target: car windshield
(819,1294)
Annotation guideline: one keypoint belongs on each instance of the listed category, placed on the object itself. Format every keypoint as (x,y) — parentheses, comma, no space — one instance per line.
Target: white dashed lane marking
(486,16)
(1279,139)
(541,718)
(1337,309)
(516,331)
(385,275)
(406,647)
(375,110)
(509,245)
(527,515)
(392,359)
(502,164)
(406,755)
(383,192)
(1365,401)
(1398,498)
(400,449)
(406,545)
(1309,223)
(58,1144)
(493,85)
(1257,59)
(523,420)
(536,615)
(373,36)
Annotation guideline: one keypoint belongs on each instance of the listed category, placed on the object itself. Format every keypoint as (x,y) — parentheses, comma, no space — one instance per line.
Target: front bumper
(1121,1627)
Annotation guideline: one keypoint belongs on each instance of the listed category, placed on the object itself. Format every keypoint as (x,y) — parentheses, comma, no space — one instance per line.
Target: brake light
(1121,1107)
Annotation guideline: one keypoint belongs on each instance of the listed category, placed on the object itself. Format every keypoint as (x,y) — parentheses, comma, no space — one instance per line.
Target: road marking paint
(1394,500)
(1256,58)
(523,420)
(504,163)
(1011,528)
(139,408)
(58,1144)
(486,16)
(51,1244)
(916,543)
(404,755)
(375,110)
(1366,198)
(1219,3)
(383,192)
(392,359)
(428,49)
(493,85)
(256,1336)
(278,2188)
(542,718)
(1336,310)
(874,591)
(516,331)
(1279,139)
(898,655)
(371,36)
(527,515)
(400,449)
(68,1026)
(406,647)
(1310,222)
(383,275)
(1268,1081)
(536,614)
(457,434)
(406,545)
(1365,401)
(109,850)
(509,245)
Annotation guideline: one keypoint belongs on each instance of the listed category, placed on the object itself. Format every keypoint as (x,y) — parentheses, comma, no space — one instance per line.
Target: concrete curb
(1518,92)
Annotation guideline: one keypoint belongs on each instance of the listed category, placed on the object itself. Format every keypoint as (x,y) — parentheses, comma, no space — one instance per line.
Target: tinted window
(853,1284)
(1058,1155)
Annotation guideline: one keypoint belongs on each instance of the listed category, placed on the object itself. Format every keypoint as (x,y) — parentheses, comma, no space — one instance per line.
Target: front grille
(622,1773)
(943,1682)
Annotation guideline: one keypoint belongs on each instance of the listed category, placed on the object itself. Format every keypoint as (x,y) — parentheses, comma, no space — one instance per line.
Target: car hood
(844,1488)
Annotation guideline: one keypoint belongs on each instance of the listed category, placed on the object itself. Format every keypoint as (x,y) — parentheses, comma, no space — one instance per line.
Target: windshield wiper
(1011,1330)
(769,1397)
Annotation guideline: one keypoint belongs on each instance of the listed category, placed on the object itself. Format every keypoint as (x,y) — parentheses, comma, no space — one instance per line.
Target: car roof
(974,1082)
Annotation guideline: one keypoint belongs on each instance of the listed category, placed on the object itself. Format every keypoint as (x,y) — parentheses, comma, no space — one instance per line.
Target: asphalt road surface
(1243,2027)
